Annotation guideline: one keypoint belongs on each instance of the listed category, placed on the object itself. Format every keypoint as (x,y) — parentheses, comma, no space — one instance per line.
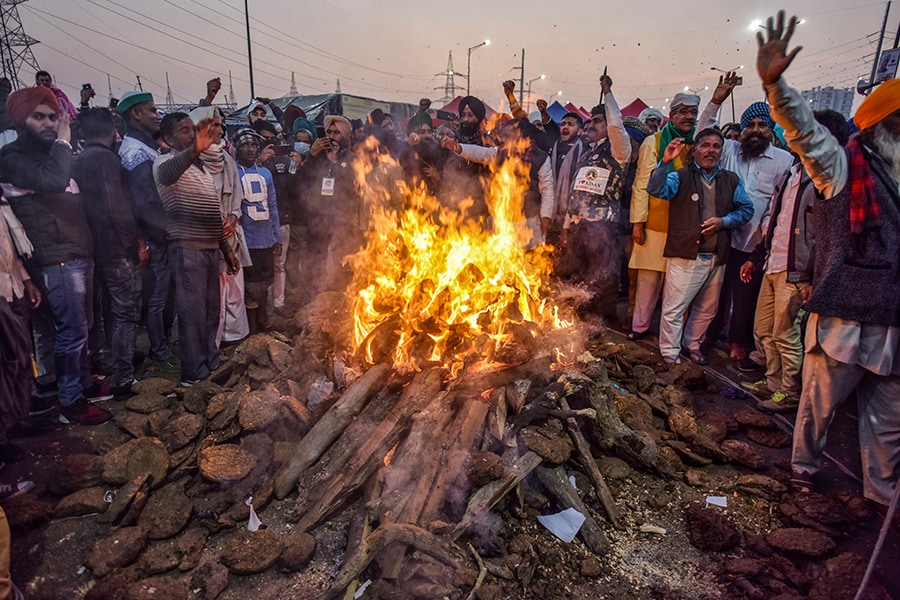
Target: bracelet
(64,143)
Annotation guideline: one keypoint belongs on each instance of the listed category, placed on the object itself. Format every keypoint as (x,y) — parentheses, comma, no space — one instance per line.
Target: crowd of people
(779,232)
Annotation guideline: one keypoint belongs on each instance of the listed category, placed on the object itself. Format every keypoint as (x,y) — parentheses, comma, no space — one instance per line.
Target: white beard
(888,146)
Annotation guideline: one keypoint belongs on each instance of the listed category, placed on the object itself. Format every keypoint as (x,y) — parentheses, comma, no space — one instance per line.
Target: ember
(442,288)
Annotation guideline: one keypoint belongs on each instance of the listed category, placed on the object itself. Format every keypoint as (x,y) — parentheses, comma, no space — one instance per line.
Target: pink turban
(341,123)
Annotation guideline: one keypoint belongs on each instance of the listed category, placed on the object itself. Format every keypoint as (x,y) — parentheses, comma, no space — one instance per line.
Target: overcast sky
(398,50)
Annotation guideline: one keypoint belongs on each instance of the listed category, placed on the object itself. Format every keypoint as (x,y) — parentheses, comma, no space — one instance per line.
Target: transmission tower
(15,44)
(232,103)
(337,89)
(170,100)
(449,86)
(293,91)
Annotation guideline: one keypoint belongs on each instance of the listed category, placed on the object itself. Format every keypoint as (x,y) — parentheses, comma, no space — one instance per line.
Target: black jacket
(46,201)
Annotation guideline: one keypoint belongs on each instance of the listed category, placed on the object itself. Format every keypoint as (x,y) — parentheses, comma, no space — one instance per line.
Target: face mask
(301,148)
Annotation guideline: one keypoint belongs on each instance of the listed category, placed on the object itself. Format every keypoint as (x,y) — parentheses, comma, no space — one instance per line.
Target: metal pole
(733,119)
(469,73)
(140,87)
(887,10)
(249,49)
(522,78)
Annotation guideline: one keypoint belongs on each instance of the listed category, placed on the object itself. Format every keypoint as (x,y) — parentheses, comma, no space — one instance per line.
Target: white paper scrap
(362,589)
(718,501)
(572,481)
(254,522)
(563,525)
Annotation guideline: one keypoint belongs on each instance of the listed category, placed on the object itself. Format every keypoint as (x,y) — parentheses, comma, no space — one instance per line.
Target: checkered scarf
(865,212)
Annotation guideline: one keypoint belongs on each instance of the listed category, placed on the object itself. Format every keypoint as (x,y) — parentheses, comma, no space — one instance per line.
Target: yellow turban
(879,104)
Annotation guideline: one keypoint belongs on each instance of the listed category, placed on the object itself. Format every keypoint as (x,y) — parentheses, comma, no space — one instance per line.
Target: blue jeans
(122,280)
(68,289)
(197,300)
(157,295)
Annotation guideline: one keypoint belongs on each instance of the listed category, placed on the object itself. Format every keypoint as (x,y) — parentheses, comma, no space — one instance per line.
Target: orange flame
(432,286)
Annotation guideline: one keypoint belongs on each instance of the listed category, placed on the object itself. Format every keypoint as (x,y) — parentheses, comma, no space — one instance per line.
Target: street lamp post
(739,82)
(249,48)
(469,64)
(530,81)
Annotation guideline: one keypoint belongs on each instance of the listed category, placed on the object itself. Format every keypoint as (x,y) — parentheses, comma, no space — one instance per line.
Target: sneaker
(11,490)
(121,392)
(171,366)
(779,403)
(84,413)
(98,392)
(189,382)
(748,365)
(758,388)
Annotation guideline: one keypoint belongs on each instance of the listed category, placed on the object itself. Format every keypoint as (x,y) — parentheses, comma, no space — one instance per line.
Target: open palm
(772,58)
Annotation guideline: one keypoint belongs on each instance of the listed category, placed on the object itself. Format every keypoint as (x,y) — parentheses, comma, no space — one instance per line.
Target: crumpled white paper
(564,525)
(254,522)
(718,501)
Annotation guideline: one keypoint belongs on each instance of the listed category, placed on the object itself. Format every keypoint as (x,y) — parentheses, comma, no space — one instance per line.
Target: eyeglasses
(686,111)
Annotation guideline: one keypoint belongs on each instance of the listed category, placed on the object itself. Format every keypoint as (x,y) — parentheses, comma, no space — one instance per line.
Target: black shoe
(748,365)
(123,392)
(636,335)
(10,453)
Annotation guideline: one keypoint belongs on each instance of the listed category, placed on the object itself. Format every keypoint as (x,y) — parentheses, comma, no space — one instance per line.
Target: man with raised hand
(853,333)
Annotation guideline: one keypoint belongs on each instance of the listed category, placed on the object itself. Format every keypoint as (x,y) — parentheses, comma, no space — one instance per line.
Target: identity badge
(328,186)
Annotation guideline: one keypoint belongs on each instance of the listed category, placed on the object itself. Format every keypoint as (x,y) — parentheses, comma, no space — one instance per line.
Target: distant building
(820,98)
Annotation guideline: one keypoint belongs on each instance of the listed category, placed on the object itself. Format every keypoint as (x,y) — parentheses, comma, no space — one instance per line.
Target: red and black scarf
(865,212)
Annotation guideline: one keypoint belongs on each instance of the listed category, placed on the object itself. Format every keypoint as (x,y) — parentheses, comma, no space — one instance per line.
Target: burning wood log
(558,485)
(593,471)
(488,496)
(409,478)
(329,427)
(370,454)
(446,552)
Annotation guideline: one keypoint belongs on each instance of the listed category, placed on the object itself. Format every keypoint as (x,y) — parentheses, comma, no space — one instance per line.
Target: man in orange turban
(21,104)
(853,334)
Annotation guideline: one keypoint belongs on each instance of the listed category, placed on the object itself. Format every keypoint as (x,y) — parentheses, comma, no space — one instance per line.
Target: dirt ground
(47,560)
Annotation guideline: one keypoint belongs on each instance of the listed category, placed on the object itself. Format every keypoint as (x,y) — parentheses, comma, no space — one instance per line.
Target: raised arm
(819,151)
(620,143)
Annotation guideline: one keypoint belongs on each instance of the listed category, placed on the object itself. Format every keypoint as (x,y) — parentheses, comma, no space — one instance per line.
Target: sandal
(802,482)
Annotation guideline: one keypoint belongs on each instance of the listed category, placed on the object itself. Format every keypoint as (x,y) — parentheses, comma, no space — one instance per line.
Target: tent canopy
(635,108)
(318,106)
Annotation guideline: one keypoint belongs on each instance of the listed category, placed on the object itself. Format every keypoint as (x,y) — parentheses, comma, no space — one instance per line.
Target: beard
(888,146)
(468,129)
(753,146)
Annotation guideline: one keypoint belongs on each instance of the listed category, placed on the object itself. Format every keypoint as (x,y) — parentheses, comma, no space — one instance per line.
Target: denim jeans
(156,296)
(122,280)
(68,290)
(197,305)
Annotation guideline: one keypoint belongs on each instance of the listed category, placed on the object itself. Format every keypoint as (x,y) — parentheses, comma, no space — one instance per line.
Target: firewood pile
(419,465)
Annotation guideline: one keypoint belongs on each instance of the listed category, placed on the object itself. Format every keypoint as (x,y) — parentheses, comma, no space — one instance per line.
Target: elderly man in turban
(853,334)
(761,167)
(471,115)
(652,118)
(37,180)
(332,206)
